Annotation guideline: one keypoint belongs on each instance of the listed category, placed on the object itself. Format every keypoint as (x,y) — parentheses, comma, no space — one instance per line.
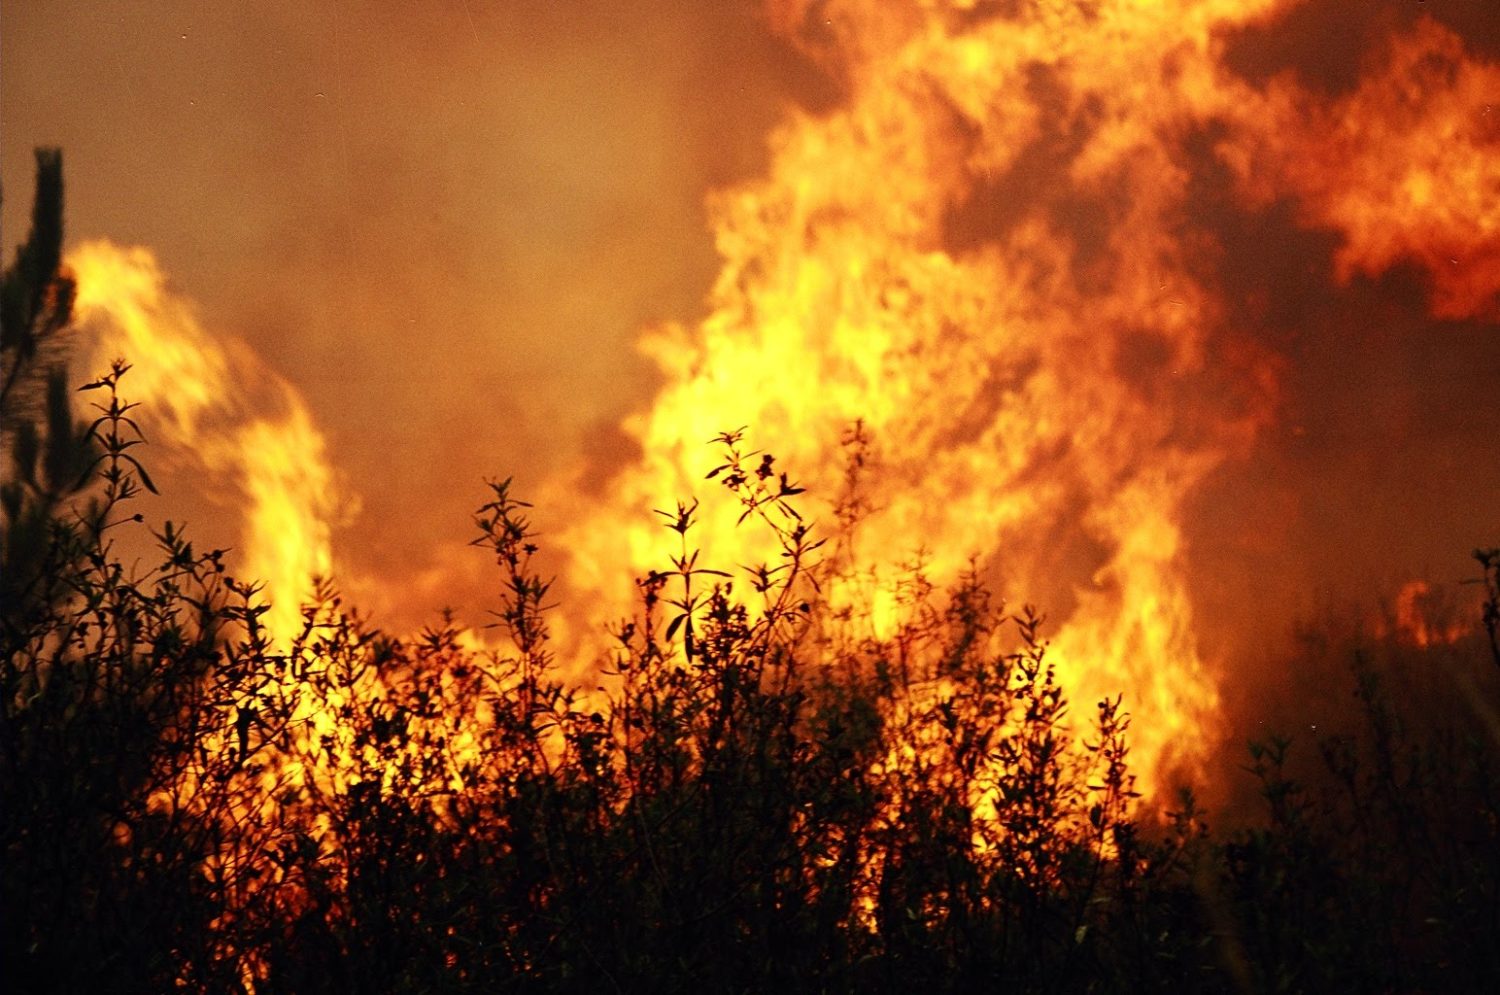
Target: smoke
(443,225)
(1380,465)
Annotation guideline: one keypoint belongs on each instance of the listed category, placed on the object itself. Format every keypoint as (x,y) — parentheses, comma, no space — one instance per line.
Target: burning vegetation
(760,793)
(787,731)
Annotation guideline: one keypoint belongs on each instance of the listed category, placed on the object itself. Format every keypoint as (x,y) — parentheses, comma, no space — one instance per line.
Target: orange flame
(1405,167)
(1416,613)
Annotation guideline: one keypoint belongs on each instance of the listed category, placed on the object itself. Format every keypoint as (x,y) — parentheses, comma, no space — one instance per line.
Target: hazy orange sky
(448,223)
(443,222)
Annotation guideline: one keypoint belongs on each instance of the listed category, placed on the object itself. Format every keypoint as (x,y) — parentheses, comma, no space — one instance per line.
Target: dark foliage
(47,456)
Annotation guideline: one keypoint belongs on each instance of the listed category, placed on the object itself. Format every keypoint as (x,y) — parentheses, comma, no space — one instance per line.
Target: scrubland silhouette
(762,798)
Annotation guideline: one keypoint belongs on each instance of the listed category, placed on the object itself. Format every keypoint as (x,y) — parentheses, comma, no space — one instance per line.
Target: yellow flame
(214,403)
(981,255)
(905,263)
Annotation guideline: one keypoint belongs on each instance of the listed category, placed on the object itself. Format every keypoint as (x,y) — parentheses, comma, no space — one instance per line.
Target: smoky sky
(444,222)
(447,223)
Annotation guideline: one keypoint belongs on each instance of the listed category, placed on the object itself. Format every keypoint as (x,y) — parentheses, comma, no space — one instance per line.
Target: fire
(974,311)
(985,256)
(1405,167)
(988,257)
(215,404)
(1417,613)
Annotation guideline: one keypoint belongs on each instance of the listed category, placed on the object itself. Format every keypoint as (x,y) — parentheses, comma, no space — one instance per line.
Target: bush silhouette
(759,798)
